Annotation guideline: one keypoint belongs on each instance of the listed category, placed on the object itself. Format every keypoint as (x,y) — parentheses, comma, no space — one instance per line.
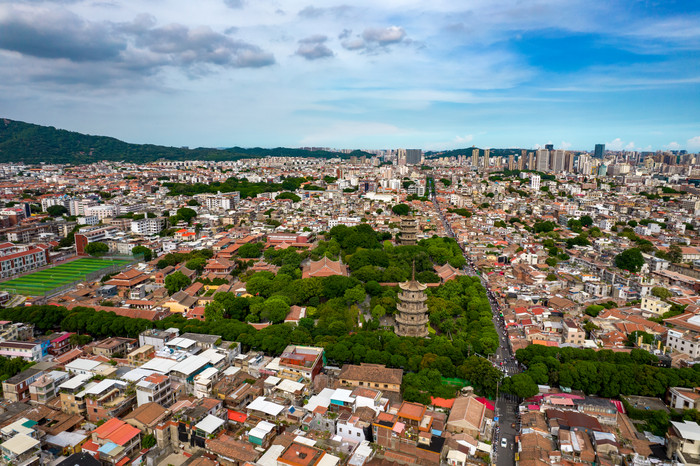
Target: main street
(506,405)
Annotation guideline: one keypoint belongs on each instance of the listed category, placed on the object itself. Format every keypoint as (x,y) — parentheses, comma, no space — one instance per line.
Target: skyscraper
(475,157)
(401,157)
(511,162)
(549,147)
(599,151)
(542,162)
(413,156)
(569,163)
(557,160)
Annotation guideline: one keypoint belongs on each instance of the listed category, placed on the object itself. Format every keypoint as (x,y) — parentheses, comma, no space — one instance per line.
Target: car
(504,443)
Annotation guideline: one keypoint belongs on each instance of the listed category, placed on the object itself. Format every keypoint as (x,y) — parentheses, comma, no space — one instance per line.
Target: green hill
(31,144)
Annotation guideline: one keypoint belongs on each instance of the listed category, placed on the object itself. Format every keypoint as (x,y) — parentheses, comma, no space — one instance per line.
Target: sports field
(38,283)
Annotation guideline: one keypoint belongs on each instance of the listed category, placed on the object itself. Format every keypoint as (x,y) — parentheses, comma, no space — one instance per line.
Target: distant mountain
(31,144)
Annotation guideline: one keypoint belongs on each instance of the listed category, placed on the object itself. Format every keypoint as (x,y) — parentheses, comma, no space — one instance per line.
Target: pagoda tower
(409,230)
(413,311)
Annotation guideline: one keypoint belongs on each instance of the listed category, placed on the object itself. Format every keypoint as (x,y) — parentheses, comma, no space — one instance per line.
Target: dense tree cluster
(245,187)
(605,373)
(175,258)
(630,259)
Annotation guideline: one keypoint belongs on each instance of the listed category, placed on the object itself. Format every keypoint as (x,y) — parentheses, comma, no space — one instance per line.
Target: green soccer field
(38,283)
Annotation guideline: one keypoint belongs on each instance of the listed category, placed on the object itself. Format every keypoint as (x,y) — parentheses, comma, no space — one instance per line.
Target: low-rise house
(46,386)
(301,363)
(376,376)
(16,388)
(156,388)
(72,394)
(113,347)
(114,441)
(683,442)
(29,351)
(471,416)
(108,399)
(20,449)
(684,398)
(147,416)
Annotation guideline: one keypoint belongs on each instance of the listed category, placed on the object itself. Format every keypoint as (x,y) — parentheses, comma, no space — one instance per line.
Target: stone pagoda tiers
(412,319)
(409,230)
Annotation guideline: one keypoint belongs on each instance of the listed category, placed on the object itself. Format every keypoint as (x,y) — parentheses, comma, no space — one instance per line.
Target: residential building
(375,376)
(16,388)
(155,388)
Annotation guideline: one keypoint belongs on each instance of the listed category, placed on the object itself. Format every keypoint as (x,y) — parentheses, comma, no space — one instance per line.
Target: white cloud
(672,146)
(615,144)
(630,146)
(459,142)
(565,145)
(694,143)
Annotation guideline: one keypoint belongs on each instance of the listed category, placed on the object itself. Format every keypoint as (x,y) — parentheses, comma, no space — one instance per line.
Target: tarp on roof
(236,416)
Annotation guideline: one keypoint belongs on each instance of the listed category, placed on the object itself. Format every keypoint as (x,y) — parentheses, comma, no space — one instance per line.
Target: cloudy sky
(362,74)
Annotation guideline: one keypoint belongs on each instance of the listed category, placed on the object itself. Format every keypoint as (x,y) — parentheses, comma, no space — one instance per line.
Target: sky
(435,75)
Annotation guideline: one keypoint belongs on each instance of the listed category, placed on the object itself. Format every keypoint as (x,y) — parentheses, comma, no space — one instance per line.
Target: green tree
(675,254)
(147,253)
(97,249)
(593,310)
(250,250)
(186,214)
(148,441)
(274,309)
(378,311)
(630,259)
(176,281)
(521,385)
(354,295)
(661,292)
(401,209)
(56,210)
(196,263)
(288,195)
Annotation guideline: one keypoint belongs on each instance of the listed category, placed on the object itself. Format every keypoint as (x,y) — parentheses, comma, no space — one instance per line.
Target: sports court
(38,283)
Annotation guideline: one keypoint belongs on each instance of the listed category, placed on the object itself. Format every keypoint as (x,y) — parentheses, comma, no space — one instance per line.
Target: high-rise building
(487,161)
(511,162)
(531,161)
(414,156)
(475,157)
(558,160)
(599,151)
(401,157)
(569,163)
(549,147)
(542,161)
(535,182)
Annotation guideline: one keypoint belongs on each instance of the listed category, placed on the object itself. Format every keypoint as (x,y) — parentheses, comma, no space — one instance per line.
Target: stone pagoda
(409,230)
(412,319)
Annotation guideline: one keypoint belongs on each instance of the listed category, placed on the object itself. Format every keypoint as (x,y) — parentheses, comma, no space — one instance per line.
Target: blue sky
(363,74)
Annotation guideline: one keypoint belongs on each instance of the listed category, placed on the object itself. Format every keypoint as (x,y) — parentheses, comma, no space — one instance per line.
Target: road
(506,405)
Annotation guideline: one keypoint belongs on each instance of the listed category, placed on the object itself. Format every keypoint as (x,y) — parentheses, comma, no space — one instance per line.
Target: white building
(535,182)
(155,388)
(147,226)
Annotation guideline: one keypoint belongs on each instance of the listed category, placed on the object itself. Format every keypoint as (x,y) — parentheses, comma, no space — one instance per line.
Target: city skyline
(235,72)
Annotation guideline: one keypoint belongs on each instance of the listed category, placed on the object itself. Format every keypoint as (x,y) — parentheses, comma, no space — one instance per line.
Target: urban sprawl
(530,307)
